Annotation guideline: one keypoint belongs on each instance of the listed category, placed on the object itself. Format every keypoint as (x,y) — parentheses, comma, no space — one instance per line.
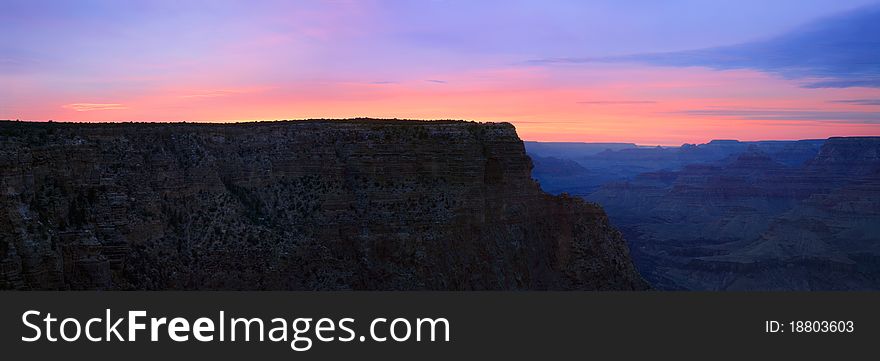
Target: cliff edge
(296,205)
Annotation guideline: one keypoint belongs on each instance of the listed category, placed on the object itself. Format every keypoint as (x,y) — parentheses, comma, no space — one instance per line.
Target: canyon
(729,215)
(359,204)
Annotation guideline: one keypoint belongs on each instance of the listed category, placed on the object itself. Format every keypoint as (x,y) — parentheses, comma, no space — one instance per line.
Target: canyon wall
(300,205)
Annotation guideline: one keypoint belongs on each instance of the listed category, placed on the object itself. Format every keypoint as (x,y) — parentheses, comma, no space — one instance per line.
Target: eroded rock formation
(306,205)
(751,222)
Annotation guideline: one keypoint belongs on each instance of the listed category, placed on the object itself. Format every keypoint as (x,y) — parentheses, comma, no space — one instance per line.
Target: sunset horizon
(524,138)
(656,74)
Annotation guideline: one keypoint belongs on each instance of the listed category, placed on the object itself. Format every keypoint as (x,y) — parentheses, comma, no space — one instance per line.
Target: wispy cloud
(20,63)
(856,101)
(436,81)
(10,64)
(842,51)
(383,82)
(843,83)
(617,102)
(784,115)
(87,107)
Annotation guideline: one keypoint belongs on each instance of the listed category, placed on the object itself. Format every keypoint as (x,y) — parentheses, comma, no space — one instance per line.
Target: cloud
(87,107)
(841,51)
(383,82)
(10,65)
(17,61)
(870,83)
(785,115)
(617,102)
(856,101)
(436,81)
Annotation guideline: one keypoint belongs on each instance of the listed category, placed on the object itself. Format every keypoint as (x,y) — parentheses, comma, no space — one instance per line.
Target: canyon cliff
(298,205)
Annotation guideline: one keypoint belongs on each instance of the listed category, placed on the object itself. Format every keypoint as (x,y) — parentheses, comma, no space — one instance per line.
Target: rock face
(306,205)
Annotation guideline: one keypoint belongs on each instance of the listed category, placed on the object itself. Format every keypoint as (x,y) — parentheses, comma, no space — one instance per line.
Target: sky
(645,71)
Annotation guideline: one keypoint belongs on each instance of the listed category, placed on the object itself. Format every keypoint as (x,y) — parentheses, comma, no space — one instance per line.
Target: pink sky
(649,107)
(166,61)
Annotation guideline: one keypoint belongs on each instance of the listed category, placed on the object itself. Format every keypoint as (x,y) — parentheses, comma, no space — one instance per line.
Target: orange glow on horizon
(654,106)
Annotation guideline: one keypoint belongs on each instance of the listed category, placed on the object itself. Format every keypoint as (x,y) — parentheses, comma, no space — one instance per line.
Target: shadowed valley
(729,215)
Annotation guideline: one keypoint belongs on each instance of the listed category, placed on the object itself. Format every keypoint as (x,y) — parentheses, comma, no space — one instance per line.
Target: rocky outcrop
(304,205)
